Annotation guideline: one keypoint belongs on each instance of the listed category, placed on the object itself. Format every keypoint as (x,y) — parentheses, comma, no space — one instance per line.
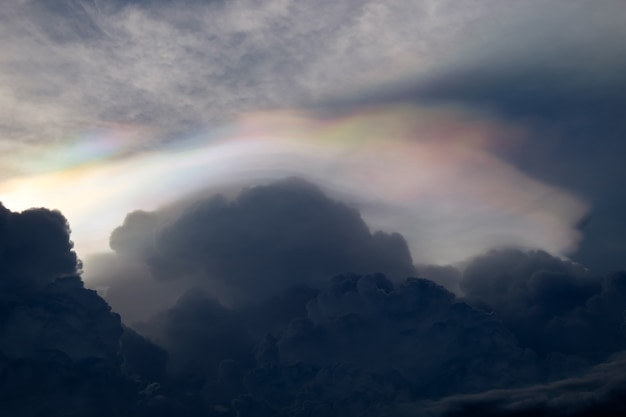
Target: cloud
(142,357)
(530,330)
(428,172)
(35,249)
(378,327)
(159,73)
(121,281)
(245,317)
(557,72)
(551,305)
(267,254)
(448,276)
(267,239)
(597,392)
(59,342)
(175,68)
(358,346)
(198,333)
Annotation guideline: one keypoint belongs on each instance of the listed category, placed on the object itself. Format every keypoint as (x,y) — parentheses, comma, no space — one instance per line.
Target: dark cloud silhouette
(551,305)
(266,240)
(269,303)
(198,333)
(122,281)
(143,358)
(448,276)
(597,392)
(367,322)
(34,249)
(266,331)
(59,342)
(266,326)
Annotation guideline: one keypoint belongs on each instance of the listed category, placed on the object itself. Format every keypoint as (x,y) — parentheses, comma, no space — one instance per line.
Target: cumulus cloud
(35,248)
(530,328)
(597,392)
(59,342)
(269,302)
(198,333)
(268,239)
(367,322)
(552,305)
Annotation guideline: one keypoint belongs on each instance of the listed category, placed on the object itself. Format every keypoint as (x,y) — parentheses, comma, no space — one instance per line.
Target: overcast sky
(298,207)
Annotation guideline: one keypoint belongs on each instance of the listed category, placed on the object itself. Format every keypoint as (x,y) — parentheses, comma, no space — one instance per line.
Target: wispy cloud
(69,65)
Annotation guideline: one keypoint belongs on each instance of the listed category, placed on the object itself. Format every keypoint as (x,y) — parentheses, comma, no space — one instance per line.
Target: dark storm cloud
(267,239)
(531,330)
(142,357)
(361,344)
(369,323)
(550,304)
(447,276)
(358,343)
(34,249)
(59,342)
(527,339)
(123,281)
(198,333)
(598,392)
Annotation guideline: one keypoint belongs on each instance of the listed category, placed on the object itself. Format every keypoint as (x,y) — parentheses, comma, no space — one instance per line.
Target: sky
(257,165)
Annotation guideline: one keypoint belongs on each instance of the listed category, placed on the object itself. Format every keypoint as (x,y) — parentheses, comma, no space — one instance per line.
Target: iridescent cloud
(427,172)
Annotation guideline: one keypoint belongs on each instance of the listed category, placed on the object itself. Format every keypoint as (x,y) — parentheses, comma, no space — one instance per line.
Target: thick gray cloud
(531,330)
(268,239)
(198,333)
(597,392)
(123,281)
(529,317)
(448,276)
(35,249)
(361,344)
(550,304)
(59,342)
(369,323)
(274,336)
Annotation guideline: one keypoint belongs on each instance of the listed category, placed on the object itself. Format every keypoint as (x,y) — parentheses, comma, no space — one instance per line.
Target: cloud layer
(427,172)
(278,342)
(295,332)
(435,131)
(106,81)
